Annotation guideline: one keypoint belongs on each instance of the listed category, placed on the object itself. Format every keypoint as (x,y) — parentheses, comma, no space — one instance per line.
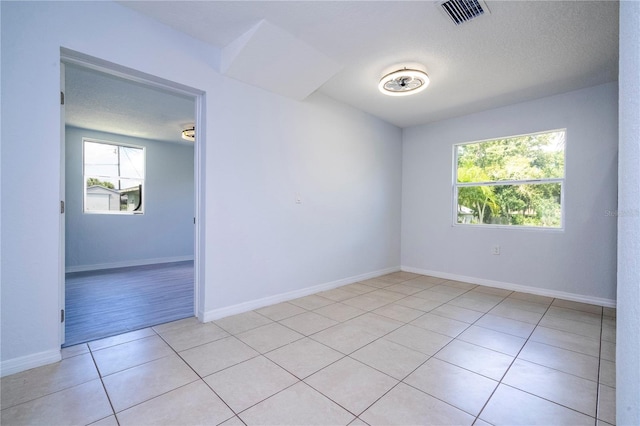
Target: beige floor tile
(525,305)
(609,312)
(506,310)
(405,405)
(250,382)
(509,406)
(191,336)
(609,329)
(308,323)
(447,290)
(107,421)
(423,283)
(576,327)
(460,284)
(477,301)
(311,302)
(345,338)
(544,300)
(351,384)
(175,324)
(280,311)
(607,404)
(70,351)
(339,312)
(418,303)
(379,282)
(120,357)
(82,404)
(396,277)
(269,337)
(573,315)
(193,404)
(506,325)
(608,350)
(358,422)
(447,326)
(459,387)
(138,384)
(297,405)
(399,312)
(494,340)
(304,357)
(584,307)
(358,288)
(233,421)
(475,358)
(37,382)
(480,422)
(366,302)
(419,339)
(337,294)
(375,324)
(608,373)
(386,294)
(457,313)
(404,289)
(436,296)
(218,355)
(121,338)
(566,340)
(562,388)
(492,290)
(571,362)
(390,358)
(240,323)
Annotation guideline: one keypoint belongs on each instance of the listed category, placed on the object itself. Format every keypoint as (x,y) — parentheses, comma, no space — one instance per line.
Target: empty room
(392,213)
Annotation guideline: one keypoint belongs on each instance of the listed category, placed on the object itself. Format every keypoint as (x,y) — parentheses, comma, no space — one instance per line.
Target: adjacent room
(381,212)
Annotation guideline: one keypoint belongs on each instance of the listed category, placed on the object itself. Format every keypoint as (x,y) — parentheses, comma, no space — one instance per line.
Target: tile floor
(399,349)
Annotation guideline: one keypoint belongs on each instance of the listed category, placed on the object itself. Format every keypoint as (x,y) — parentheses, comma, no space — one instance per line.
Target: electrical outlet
(495,250)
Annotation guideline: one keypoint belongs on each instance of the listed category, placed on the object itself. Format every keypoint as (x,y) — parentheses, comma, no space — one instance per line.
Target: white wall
(628,324)
(163,232)
(579,262)
(259,150)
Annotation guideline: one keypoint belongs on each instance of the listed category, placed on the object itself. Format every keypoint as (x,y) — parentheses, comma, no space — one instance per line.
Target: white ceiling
(521,50)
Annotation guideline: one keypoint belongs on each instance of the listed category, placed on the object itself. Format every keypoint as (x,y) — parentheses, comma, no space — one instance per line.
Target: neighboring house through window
(113,177)
(511,181)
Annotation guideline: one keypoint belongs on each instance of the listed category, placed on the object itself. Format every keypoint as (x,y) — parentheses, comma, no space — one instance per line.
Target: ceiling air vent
(461,11)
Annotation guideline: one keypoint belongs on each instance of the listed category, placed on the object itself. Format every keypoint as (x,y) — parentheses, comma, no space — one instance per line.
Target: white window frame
(455,185)
(86,176)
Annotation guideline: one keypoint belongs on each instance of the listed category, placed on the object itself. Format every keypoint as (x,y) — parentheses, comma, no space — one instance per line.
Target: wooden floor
(108,302)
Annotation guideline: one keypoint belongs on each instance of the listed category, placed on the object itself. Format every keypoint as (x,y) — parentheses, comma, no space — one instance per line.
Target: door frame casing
(199,96)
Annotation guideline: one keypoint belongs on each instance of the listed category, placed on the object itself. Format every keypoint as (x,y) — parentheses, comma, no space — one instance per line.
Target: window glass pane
(114,178)
(525,205)
(528,157)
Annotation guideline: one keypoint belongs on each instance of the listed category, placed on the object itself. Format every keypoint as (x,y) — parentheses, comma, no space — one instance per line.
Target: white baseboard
(609,303)
(16,365)
(126,263)
(218,313)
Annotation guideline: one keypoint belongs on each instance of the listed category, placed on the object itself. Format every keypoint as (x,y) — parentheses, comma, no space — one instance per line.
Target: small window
(113,177)
(513,182)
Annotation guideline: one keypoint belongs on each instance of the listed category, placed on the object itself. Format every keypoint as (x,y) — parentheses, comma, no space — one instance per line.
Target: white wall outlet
(495,250)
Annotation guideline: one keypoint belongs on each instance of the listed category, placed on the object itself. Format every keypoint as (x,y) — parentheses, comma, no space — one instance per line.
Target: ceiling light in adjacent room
(404,82)
(189,134)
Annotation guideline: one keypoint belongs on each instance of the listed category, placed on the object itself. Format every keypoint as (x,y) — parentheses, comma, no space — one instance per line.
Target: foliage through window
(113,177)
(514,181)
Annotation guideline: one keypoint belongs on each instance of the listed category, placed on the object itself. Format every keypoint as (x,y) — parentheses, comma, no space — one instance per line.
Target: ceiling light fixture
(189,134)
(404,82)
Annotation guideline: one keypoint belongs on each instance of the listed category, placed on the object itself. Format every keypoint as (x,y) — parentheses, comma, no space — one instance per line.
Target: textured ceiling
(98,101)
(521,50)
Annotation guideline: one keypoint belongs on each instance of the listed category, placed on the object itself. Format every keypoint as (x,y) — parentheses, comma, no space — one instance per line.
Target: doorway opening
(130,188)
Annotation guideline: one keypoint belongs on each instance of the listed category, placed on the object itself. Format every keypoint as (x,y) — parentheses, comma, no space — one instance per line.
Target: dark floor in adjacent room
(113,301)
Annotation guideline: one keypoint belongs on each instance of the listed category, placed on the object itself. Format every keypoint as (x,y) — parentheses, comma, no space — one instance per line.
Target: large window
(513,181)
(113,177)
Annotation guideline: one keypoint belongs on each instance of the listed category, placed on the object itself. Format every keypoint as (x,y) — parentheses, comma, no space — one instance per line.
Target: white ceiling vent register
(461,11)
